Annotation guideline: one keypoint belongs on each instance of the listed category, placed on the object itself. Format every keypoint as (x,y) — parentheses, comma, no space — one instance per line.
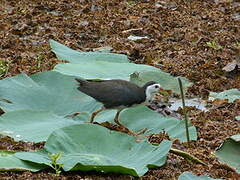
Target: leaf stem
(184,110)
(186,155)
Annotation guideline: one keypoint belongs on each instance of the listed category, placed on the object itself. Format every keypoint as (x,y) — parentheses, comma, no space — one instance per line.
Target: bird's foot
(138,133)
(142,131)
(130,132)
(138,136)
(72,115)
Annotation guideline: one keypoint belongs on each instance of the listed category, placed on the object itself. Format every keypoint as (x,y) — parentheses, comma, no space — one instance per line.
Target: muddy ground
(189,38)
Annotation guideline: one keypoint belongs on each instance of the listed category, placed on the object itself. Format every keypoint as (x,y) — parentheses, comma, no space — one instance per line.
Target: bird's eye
(156,86)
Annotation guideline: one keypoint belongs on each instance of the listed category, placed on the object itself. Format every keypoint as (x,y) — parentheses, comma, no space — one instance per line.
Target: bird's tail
(81,81)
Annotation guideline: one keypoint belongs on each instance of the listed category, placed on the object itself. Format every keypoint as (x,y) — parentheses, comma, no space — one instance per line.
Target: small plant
(131,3)
(3,68)
(40,59)
(213,44)
(54,162)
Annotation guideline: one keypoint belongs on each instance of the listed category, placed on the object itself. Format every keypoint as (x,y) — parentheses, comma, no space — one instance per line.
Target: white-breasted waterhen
(118,94)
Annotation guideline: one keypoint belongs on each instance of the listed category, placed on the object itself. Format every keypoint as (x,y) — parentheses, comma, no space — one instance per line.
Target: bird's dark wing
(124,93)
(113,93)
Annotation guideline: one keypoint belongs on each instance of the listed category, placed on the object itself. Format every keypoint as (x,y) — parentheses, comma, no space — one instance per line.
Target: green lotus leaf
(137,73)
(65,53)
(140,117)
(237,118)
(102,69)
(101,65)
(236,137)
(32,125)
(229,152)
(231,95)
(8,162)
(88,147)
(16,124)
(49,91)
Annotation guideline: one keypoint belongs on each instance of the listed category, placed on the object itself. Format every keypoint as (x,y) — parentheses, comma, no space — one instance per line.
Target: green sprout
(54,162)
(213,44)
(4,67)
(131,3)
(40,59)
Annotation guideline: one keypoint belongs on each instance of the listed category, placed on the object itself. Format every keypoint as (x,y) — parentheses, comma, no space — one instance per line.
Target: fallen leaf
(231,66)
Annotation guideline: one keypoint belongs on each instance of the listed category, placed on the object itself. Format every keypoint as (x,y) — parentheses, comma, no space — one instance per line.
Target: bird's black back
(113,93)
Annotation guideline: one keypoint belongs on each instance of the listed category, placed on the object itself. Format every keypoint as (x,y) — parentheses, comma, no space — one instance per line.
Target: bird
(118,94)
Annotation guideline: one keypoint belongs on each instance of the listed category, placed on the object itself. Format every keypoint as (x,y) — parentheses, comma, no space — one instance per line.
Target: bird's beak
(161,89)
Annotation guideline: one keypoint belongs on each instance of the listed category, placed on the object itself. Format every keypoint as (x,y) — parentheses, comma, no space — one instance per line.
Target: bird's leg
(95,113)
(116,120)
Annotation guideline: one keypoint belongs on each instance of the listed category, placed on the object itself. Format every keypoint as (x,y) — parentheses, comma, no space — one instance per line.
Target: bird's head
(151,88)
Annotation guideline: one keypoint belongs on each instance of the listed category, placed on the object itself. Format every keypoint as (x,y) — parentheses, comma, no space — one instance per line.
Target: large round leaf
(141,117)
(100,65)
(229,152)
(90,147)
(50,91)
(8,162)
(231,95)
(29,125)
(137,73)
(73,56)
(102,69)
